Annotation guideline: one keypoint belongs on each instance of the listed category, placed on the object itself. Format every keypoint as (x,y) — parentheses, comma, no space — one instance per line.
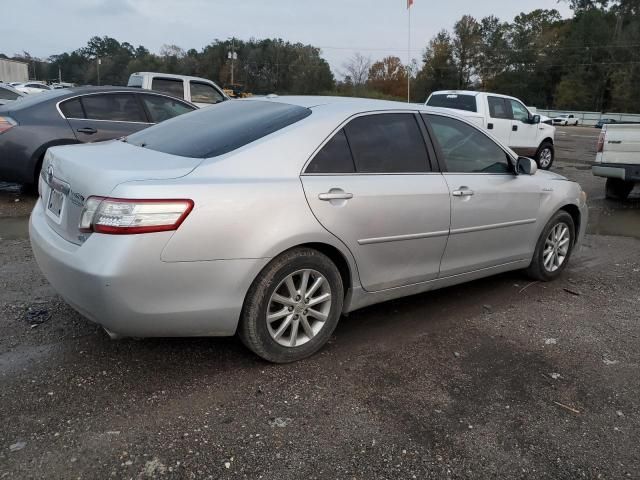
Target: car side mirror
(535,119)
(526,166)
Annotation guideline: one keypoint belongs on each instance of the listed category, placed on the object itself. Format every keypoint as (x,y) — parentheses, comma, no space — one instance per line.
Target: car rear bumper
(630,173)
(120,283)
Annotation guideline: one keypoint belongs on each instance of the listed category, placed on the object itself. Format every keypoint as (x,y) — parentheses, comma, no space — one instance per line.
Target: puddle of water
(624,222)
(14,228)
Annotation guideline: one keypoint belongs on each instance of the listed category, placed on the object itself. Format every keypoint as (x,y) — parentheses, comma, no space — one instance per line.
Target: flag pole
(409,3)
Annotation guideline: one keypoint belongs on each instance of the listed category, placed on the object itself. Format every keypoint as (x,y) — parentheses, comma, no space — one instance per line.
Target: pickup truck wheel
(293,306)
(617,189)
(545,156)
(554,248)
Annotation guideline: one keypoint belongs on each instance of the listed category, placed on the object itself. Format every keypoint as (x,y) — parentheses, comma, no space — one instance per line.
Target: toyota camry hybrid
(270,218)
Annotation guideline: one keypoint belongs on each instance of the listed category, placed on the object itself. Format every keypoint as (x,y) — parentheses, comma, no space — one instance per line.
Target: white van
(200,91)
(506,118)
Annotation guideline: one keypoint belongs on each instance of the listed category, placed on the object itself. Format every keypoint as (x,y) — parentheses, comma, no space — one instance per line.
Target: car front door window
(467,150)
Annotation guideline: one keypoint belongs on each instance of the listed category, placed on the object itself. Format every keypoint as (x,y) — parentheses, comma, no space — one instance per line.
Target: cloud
(108,7)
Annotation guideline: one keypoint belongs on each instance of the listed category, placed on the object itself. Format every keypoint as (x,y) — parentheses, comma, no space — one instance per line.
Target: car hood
(551,175)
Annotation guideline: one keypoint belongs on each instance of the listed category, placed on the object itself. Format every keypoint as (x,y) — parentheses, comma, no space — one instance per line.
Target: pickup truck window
(498,108)
(135,81)
(454,100)
(520,112)
(172,86)
(204,93)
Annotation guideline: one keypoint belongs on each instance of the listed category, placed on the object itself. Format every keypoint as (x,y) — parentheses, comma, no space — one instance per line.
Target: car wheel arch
(346,265)
(574,211)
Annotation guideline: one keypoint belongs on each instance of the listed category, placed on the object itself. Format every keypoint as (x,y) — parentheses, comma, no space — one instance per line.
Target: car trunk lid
(71,174)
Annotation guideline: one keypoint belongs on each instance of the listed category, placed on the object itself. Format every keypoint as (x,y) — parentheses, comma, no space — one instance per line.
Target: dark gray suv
(75,115)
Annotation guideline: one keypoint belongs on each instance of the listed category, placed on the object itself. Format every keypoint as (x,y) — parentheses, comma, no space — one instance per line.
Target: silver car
(271,217)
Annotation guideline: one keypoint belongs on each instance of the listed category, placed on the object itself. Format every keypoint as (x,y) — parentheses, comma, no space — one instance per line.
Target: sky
(375,28)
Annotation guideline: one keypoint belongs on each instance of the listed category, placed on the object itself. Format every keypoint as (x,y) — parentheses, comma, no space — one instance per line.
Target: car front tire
(617,189)
(554,248)
(292,307)
(545,156)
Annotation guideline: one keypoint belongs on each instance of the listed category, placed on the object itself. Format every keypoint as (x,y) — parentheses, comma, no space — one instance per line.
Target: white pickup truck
(199,91)
(506,118)
(618,159)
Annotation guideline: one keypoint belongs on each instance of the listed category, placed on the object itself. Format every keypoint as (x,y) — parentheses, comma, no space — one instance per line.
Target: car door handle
(490,126)
(328,196)
(462,192)
(514,128)
(87,130)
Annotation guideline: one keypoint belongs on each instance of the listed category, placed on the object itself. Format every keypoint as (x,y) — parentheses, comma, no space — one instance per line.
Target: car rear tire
(292,307)
(545,156)
(554,248)
(617,189)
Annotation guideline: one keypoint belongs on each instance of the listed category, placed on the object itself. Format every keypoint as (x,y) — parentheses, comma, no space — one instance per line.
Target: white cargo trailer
(13,71)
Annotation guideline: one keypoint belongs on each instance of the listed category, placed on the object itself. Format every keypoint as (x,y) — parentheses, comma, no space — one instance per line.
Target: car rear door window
(498,108)
(205,93)
(116,107)
(72,108)
(387,143)
(465,149)
(334,157)
(172,86)
(163,108)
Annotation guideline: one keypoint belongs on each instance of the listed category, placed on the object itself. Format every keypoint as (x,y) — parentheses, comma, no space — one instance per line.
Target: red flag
(409,3)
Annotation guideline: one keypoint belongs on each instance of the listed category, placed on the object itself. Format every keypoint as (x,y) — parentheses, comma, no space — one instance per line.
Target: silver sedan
(270,218)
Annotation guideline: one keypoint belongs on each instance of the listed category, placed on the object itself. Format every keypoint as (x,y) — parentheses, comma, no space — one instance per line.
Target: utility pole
(98,66)
(409,5)
(59,74)
(233,56)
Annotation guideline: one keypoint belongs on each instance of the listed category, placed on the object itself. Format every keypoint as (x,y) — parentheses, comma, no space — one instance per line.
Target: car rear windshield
(454,100)
(218,129)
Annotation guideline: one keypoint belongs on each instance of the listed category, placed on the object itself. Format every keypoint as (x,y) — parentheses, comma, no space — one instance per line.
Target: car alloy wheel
(545,158)
(293,306)
(556,247)
(553,248)
(299,308)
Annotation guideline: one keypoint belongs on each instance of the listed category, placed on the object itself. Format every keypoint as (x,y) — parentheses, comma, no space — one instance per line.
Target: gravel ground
(500,378)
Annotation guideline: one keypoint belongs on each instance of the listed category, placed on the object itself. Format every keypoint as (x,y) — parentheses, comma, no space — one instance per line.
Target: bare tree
(357,69)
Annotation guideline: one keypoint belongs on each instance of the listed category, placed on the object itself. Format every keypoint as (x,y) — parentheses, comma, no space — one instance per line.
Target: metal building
(13,71)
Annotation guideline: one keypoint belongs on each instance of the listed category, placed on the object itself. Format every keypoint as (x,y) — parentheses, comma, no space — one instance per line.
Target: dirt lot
(500,378)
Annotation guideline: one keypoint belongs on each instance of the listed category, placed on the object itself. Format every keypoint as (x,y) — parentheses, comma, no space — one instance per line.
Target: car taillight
(119,216)
(7,123)
(600,146)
